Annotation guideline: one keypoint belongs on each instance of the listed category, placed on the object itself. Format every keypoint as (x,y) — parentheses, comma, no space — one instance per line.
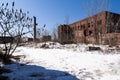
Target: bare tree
(55,33)
(14,24)
(38,34)
(42,31)
(68,32)
(112,28)
(92,7)
(67,23)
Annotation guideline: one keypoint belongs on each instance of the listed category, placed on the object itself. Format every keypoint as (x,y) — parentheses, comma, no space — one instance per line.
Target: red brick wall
(89,30)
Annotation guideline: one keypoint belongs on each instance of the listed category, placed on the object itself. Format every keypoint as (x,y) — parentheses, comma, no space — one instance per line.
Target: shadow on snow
(33,72)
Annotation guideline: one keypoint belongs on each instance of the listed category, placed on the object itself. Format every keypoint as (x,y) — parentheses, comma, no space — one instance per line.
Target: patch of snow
(59,59)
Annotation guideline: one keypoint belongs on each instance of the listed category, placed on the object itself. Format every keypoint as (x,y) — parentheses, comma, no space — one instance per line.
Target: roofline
(94,15)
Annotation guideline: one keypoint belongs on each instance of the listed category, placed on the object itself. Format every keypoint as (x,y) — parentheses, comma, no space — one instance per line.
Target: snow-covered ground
(64,62)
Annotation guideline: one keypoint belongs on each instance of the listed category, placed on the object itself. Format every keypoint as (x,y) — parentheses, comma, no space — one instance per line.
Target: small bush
(6,59)
(18,57)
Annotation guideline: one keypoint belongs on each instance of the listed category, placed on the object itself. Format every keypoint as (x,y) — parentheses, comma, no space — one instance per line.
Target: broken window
(99,22)
(99,31)
(78,27)
(90,33)
(88,25)
(85,33)
(110,29)
(81,27)
(92,24)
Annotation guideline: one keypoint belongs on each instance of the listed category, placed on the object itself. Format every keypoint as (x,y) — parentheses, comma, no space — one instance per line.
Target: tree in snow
(14,23)
(55,33)
(112,26)
(93,7)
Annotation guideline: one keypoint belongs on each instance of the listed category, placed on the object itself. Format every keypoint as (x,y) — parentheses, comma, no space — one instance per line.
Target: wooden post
(35,29)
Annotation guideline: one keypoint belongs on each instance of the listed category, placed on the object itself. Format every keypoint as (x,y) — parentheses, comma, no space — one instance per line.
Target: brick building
(102,28)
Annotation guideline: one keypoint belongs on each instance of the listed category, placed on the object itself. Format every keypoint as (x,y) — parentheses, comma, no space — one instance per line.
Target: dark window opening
(92,24)
(99,22)
(85,33)
(99,31)
(78,27)
(81,27)
(110,29)
(90,33)
(88,25)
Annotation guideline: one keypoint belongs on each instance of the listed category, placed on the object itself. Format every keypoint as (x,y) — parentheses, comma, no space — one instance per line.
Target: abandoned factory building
(102,28)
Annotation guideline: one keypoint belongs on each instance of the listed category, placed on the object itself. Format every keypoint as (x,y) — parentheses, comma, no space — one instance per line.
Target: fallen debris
(91,48)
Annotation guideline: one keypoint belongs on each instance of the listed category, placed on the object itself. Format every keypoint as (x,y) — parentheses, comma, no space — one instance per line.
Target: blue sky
(54,12)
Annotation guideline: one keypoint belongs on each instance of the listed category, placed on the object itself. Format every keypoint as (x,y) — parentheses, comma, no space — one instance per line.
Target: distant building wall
(93,29)
(65,34)
(6,39)
(46,38)
(30,39)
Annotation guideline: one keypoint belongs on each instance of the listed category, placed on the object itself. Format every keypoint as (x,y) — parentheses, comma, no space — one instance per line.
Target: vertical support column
(35,29)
